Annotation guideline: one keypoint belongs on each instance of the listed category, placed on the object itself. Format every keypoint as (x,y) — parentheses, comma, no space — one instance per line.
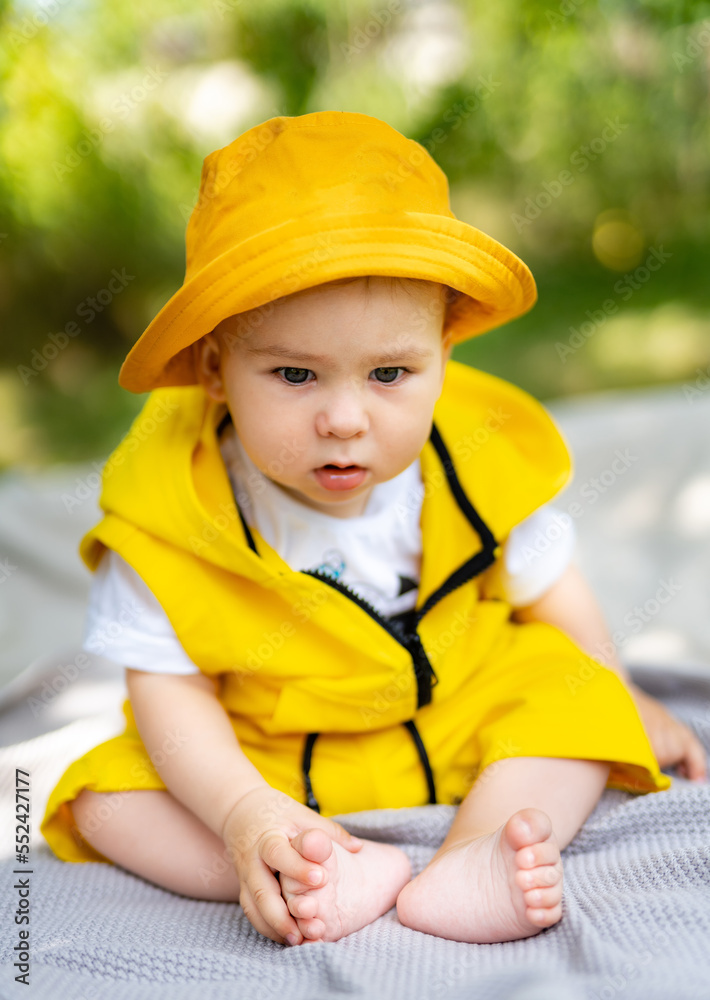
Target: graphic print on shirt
(403,600)
(334,565)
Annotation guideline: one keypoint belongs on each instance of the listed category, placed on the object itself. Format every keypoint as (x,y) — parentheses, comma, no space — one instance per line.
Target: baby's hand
(257,833)
(673,743)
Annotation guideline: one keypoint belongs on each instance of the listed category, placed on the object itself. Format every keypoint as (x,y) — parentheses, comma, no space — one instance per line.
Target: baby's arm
(189,737)
(570,605)
(207,770)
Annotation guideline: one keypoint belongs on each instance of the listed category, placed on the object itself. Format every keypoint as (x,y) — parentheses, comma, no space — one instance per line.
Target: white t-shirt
(377,554)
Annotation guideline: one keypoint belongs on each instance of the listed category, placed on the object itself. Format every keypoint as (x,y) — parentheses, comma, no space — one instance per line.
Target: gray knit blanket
(636,921)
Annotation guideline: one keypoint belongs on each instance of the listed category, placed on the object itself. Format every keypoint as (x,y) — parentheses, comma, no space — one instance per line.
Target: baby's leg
(151,834)
(498,874)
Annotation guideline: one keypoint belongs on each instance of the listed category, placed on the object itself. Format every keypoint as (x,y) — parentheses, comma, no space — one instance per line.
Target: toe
(303,907)
(545,853)
(526,827)
(544,917)
(539,899)
(290,885)
(313,928)
(314,844)
(539,878)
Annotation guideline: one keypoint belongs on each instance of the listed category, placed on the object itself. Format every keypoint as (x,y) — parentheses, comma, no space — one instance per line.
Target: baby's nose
(343,415)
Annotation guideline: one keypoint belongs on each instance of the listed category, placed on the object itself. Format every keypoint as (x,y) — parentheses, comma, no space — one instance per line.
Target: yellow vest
(299,651)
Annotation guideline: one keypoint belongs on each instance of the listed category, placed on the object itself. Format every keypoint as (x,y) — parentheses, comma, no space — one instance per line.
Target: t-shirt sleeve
(534,556)
(126,623)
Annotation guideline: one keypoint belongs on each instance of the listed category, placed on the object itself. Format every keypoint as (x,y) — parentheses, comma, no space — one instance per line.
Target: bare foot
(359,888)
(500,887)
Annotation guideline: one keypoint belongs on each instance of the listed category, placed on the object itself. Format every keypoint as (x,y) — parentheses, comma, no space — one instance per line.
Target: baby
(311,520)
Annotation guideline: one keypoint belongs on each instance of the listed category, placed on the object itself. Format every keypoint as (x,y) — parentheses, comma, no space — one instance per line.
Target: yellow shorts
(535,695)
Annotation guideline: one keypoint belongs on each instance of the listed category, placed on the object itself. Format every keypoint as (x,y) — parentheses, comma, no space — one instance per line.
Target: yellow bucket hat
(301,200)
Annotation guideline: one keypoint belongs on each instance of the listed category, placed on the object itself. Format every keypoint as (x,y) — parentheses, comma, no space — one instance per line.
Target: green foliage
(107,110)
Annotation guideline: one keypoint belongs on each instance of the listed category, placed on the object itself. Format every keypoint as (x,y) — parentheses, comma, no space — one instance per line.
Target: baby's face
(331,390)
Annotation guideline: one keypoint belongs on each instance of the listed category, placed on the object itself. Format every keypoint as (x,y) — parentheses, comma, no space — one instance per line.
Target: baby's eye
(390,374)
(300,373)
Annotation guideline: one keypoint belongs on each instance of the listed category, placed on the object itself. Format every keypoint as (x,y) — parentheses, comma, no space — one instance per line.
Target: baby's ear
(452,297)
(207,358)
(447,344)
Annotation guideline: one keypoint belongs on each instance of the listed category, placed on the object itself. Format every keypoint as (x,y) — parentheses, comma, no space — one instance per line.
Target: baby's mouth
(338,477)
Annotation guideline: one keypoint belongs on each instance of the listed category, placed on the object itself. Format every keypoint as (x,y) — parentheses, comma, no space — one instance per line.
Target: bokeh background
(576,132)
(107,110)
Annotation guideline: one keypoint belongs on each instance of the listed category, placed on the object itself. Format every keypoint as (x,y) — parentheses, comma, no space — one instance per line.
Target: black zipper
(423,670)
(403,627)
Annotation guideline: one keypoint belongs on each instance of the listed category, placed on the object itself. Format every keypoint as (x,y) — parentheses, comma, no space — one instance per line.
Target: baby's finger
(694,759)
(266,908)
(251,911)
(341,835)
(276,851)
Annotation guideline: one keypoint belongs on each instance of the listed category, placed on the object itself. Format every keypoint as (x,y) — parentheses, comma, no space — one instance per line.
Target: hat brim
(304,252)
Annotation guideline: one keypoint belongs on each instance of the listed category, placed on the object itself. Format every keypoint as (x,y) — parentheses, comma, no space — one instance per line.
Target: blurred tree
(574,131)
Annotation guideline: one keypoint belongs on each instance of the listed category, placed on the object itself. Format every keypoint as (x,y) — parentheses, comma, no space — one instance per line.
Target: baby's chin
(338,503)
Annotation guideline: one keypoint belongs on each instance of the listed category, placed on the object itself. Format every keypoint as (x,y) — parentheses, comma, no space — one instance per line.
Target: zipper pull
(423,669)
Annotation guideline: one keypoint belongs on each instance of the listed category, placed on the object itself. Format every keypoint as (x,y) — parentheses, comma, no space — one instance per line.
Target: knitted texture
(636,921)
